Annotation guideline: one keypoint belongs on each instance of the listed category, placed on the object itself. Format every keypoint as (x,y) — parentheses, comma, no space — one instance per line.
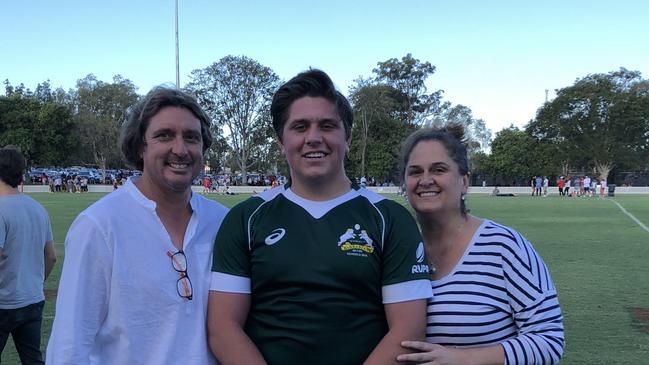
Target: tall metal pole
(177,61)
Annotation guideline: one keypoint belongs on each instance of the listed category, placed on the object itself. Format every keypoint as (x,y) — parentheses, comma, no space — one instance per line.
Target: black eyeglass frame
(183,274)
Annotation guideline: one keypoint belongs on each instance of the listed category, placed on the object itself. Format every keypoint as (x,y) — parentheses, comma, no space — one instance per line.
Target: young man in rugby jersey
(317,271)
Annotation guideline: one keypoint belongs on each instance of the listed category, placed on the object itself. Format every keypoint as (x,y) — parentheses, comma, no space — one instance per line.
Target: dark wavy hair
(133,130)
(451,137)
(313,83)
(12,166)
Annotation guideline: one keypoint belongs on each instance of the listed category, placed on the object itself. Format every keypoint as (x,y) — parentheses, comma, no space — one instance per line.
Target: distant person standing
(566,190)
(77,184)
(561,185)
(27,257)
(57,183)
(586,185)
(206,184)
(546,183)
(363,182)
(69,184)
(578,190)
(602,188)
(84,184)
(533,184)
(537,185)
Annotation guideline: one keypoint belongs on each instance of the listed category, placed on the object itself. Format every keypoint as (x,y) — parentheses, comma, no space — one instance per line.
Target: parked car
(92,178)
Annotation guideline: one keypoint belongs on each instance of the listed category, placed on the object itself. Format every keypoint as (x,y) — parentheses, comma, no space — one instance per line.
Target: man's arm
(406,320)
(50,257)
(82,300)
(226,317)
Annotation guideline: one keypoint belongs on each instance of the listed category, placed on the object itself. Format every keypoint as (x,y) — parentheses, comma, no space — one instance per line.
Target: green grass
(598,257)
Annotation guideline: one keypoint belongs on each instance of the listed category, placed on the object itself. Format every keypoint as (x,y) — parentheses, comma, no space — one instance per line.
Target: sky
(496,57)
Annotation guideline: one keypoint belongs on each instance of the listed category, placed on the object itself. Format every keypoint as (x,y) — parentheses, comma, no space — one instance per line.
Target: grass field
(598,257)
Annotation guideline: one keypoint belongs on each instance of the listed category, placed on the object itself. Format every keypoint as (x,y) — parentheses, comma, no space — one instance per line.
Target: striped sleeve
(534,302)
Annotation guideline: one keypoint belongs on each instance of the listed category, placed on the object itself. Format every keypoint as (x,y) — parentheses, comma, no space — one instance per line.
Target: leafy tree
(215,156)
(480,167)
(602,120)
(20,90)
(372,103)
(100,109)
(9,89)
(17,115)
(511,158)
(53,134)
(386,137)
(409,76)
(236,92)
(43,130)
(44,92)
(378,130)
(476,130)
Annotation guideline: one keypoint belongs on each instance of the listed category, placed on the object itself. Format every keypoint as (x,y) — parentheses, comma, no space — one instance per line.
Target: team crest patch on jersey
(356,242)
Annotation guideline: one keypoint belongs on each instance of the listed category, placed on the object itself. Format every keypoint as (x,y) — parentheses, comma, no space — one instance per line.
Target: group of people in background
(582,186)
(578,186)
(63,183)
(540,185)
(315,271)
(211,185)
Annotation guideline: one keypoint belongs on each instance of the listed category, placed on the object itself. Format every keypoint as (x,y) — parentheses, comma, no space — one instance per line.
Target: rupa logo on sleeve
(420,267)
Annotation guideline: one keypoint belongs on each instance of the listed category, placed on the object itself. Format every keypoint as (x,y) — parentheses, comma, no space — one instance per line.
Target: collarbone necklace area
(432,268)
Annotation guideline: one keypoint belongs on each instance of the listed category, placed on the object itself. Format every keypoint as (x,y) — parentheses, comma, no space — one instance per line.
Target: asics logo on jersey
(275,236)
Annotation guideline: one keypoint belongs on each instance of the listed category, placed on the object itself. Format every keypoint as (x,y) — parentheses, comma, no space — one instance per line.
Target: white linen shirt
(117,301)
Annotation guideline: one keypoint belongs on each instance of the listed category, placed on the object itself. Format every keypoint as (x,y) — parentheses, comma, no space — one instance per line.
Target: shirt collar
(133,191)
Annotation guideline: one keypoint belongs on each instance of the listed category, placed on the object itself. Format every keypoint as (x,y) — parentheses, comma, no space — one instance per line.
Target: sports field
(597,254)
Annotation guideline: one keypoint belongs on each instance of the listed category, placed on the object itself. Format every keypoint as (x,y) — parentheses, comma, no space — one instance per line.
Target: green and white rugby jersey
(319,273)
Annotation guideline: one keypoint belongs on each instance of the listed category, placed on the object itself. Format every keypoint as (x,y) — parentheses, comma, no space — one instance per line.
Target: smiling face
(173,151)
(313,140)
(433,181)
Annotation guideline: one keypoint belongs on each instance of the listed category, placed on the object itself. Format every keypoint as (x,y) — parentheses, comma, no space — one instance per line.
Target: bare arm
(226,317)
(50,258)
(436,354)
(406,320)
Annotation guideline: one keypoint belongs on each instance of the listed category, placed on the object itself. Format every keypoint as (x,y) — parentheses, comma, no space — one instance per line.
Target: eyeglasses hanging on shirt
(179,263)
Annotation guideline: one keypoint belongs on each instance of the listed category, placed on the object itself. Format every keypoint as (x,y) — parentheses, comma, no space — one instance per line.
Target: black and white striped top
(499,292)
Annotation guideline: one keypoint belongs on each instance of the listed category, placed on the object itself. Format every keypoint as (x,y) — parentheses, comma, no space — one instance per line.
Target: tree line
(599,126)
(600,123)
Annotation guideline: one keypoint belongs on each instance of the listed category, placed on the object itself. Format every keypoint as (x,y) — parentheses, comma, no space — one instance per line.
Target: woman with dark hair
(493,299)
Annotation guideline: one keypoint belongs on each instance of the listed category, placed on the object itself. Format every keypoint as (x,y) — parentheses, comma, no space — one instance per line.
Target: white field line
(631,216)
